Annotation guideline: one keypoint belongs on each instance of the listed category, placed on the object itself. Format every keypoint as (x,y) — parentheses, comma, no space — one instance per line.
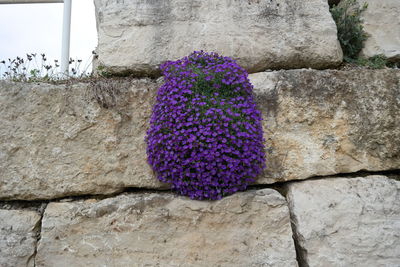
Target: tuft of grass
(101,70)
(106,92)
(375,62)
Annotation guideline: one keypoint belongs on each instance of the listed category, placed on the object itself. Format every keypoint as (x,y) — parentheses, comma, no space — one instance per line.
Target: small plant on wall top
(205,136)
(351,34)
(37,68)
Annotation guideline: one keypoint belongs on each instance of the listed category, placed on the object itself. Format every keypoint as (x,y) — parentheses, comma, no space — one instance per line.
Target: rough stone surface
(55,141)
(18,237)
(382,23)
(246,229)
(137,36)
(320,123)
(347,222)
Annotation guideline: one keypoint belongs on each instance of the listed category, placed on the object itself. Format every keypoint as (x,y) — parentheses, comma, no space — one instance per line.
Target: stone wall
(76,189)
(336,221)
(79,149)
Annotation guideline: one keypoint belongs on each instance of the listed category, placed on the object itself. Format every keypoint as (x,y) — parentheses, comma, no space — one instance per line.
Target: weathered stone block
(347,221)
(246,229)
(382,23)
(18,237)
(137,36)
(55,141)
(320,123)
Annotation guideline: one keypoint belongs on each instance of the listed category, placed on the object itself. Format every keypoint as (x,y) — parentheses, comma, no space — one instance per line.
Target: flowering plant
(205,135)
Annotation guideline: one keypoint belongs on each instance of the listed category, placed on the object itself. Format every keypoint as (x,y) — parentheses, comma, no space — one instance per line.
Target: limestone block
(319,123)
(347,221)
(160,229)
(56,141)
(18,237)
(137,36)
(382,24)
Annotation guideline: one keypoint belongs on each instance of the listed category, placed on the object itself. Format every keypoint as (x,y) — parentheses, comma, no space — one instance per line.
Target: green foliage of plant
(351,34)
(102,72)
(375,62)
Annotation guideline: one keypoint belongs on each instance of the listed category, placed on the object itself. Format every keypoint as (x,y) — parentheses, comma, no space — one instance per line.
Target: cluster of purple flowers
(205,136)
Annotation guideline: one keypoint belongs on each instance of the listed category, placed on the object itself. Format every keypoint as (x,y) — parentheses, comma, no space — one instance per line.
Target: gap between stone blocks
(281,187)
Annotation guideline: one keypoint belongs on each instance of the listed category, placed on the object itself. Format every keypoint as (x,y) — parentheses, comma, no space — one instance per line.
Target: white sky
(37,28)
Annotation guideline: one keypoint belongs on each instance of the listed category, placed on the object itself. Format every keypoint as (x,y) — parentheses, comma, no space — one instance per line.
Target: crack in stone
(38,230)
(301,253)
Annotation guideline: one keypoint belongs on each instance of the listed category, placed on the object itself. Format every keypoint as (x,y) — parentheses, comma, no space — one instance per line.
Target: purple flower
(205,136)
